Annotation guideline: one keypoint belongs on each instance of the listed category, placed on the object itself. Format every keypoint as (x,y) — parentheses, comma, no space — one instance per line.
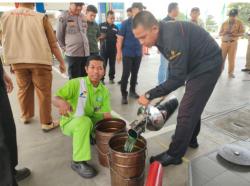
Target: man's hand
(143,101)
(107,115)
(62,67)
(102,36)
(64,108)
(119,57)
(8,83)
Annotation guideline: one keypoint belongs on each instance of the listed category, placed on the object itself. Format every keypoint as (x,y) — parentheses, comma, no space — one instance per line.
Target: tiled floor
(212,170)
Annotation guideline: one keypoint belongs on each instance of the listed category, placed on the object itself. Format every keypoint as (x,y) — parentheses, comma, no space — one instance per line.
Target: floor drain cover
(235,154)
(236,124)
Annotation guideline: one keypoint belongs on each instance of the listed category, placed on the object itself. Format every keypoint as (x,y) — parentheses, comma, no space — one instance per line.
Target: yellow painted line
(185,160)
(161,144)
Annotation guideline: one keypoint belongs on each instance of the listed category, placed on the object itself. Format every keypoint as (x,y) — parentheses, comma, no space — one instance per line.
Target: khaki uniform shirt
(231,28)
(72,34)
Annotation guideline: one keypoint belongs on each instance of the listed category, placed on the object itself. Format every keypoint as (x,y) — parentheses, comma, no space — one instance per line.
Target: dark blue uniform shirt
(131,46)
(110,31)
(168,18)
(191,52)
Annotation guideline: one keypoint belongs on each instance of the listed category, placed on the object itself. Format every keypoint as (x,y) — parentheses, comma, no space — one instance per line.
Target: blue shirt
(131,46)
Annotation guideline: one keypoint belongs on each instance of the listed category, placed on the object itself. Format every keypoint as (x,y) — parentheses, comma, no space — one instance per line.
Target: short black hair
(92,8)
(129,10)
(172,6)
(78,4)
(144,18)
(110,12)
(233,12)
(95,57)
(195,9)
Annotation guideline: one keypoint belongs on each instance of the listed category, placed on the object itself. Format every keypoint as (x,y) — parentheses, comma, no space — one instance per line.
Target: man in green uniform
(81,103)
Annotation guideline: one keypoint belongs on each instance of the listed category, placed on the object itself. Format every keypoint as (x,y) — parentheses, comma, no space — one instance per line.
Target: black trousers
(131,66)
(8,144)
(197,93)
(76,66)
(109,57)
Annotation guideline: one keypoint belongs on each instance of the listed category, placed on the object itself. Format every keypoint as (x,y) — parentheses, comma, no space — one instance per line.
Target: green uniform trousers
(79,128)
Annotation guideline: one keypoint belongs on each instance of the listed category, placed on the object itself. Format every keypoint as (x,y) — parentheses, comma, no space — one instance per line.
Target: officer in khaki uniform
(72,37)
(28,43)
(230,31)
(247,69)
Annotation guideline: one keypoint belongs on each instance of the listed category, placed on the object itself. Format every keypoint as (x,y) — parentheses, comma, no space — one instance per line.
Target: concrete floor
(48,155)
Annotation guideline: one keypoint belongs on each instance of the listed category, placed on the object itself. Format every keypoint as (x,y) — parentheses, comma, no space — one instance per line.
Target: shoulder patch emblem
(173,55)
(61,19)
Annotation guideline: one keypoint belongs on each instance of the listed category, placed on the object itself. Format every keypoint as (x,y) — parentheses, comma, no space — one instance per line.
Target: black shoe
(111,81)
(133,94)
(84,169)
(21,174)
(193,144)
(166,159)
(124,100)
(245,70)
(119,82)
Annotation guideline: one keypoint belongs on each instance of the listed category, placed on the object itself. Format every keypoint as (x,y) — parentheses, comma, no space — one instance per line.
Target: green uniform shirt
(85,99)
(93,33)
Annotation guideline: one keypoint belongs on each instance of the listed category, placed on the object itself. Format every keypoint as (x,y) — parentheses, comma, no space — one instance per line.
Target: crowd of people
(188,56)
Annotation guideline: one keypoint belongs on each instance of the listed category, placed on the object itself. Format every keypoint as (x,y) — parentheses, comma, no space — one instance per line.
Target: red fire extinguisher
(155,174)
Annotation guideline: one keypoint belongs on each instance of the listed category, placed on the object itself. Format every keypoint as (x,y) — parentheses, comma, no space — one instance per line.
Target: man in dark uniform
(8,145)
(194,57)
(108,44)
(129,51)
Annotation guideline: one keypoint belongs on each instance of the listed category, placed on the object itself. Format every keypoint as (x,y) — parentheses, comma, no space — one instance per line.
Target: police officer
(196,61)
(72,38)
(230,31)
(108,44)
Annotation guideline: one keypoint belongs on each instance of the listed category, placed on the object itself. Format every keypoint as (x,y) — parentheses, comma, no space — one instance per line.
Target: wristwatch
(147,95)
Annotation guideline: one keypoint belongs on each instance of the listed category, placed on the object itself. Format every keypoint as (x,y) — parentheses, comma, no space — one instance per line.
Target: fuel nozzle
(160,114)
(153,118)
